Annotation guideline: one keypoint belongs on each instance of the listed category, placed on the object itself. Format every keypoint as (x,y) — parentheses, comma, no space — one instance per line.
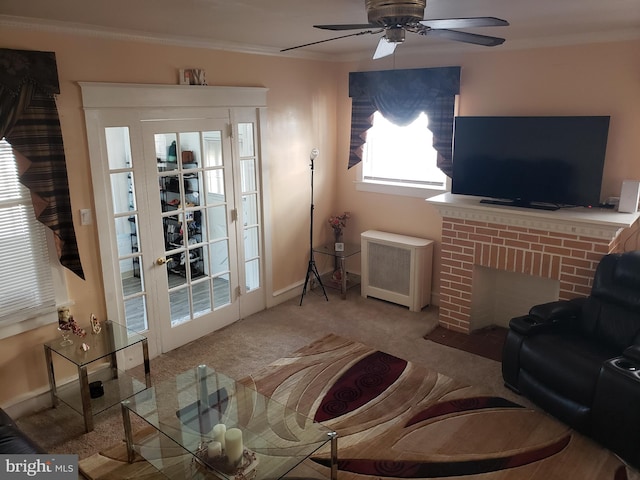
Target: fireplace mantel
(564,245)
(590,222)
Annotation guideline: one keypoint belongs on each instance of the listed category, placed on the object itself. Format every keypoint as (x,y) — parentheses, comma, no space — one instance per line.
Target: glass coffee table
(184,416)
(115,384)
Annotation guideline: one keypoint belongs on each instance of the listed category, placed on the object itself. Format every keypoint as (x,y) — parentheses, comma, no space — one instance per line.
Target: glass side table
(116,384)
(350,249)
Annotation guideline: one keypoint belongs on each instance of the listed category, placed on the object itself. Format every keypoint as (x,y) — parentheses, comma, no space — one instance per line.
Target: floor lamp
(312,269)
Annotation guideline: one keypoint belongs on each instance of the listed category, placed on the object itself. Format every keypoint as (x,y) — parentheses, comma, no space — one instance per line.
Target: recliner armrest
(547,316)
(558,310)
(529,325)
(633,353)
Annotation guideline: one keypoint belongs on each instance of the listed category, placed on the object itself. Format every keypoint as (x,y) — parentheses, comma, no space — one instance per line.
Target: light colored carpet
(402,421)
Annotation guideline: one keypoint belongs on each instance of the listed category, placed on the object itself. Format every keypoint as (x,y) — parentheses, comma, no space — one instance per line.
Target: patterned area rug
(397,420)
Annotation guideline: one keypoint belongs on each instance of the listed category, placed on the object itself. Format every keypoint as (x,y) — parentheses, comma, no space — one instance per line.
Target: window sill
(401,190)
(39,320)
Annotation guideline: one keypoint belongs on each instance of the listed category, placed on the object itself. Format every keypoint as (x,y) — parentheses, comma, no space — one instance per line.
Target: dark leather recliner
(579,359)
(13,440)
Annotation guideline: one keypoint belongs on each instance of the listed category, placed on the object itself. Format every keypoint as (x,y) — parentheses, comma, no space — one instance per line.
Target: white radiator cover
(397,268)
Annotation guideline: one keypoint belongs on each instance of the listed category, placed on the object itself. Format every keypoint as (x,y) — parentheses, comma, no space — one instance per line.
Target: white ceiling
(267,26)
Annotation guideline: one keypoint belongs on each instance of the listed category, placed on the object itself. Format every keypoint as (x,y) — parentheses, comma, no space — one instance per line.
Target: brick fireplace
(563,246)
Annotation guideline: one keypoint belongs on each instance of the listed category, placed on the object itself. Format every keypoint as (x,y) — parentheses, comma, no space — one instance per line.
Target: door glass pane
(122,192)
(131,285)
(217,223)
(250,209)
(215,187)
(170,195)
(251,255)
(176,271)
(118,147)
(201,298)
(245,139)
(126,236)
(219,261)
(251,243)
(212,148)
(189,148)
(172,232)
(130,260)
(180,306)
(192,188)
(166,149)
(248,175)
(196,261)
(252,274)
(136,313)
(221,291)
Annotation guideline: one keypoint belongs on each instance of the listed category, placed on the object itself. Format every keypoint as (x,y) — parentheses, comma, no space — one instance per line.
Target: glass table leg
(86,398)
(334,455)
(128,433)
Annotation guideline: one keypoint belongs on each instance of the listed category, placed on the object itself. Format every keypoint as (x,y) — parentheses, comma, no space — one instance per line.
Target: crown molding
(70,28)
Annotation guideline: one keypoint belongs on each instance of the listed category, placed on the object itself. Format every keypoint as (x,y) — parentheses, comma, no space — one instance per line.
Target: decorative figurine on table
(64,326)
(67,324)
(96,328)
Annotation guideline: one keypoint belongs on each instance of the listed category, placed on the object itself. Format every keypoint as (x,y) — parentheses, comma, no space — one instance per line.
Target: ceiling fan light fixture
(395,35)
(390,13)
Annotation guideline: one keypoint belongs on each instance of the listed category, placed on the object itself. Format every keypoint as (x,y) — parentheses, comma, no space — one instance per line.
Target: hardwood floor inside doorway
(180,309)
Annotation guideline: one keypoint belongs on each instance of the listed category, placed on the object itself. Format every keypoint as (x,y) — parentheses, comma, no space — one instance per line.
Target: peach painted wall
(302,103)
(308,106)
(598,79)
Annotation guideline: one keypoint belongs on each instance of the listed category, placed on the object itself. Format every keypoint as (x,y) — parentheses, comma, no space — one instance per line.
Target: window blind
(26,285)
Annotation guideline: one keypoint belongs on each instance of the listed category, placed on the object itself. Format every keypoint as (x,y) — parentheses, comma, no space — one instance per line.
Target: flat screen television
(536,162)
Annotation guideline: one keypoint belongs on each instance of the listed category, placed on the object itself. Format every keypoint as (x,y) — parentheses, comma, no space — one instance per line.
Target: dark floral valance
(400,96)
(29,121)
(18,67)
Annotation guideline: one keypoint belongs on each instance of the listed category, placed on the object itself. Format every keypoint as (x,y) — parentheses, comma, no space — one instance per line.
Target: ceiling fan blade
(465,22)
(353,26)
(466,37)
(384,48)
(331,39)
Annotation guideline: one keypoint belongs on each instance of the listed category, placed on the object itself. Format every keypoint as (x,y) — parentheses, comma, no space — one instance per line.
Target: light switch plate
(85,216)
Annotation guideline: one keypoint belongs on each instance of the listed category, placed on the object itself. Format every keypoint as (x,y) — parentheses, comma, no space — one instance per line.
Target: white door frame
(108,104)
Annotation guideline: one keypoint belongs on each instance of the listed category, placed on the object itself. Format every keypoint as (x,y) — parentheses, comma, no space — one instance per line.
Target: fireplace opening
(497,295)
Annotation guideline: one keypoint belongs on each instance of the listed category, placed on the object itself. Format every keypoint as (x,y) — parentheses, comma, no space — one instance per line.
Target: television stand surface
(522,204)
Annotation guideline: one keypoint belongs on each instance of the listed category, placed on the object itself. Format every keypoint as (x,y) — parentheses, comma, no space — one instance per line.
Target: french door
(193,215)
(179,211)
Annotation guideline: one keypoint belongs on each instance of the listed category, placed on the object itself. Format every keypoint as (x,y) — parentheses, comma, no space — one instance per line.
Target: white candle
(234,447)
(218,434)
(214,450)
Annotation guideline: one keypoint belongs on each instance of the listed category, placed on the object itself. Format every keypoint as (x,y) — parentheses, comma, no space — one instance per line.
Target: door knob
(161,261)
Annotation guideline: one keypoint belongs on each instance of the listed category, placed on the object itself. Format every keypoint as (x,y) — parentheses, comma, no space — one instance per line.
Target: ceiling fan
(396,17)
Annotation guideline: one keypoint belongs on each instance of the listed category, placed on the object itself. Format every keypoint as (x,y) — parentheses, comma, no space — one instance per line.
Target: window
(401,160)
(31,283)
